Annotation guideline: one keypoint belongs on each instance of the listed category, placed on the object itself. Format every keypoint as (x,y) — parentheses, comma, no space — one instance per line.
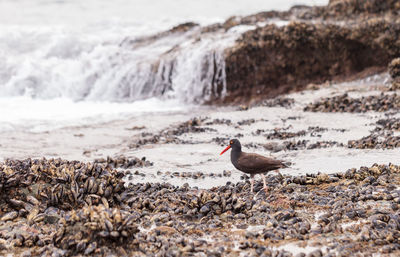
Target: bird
(252,163)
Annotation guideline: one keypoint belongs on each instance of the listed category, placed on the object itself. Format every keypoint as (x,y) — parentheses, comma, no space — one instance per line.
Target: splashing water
(86,55)
(185,65)
(75,50)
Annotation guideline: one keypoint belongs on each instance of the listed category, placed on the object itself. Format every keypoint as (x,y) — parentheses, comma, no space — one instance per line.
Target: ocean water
(65,63)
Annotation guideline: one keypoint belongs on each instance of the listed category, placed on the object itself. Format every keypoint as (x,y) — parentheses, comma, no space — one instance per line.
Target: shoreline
(153,184)
(189,141)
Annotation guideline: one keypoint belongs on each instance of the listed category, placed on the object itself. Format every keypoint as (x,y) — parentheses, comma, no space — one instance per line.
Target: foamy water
(37,115)
(64,61)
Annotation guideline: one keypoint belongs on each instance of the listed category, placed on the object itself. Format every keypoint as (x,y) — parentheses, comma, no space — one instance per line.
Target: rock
(394,71)
(205,209)
(394,68)
(316,253)
(278,101)
(344,103)
(52,219)
(164,230)
(9,216)
(301,53)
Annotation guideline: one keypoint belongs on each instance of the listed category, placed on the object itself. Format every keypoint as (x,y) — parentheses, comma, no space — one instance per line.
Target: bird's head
(234,144)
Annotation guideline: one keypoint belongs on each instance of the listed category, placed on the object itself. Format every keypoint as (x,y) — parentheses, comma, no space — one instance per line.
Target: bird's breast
(235,156)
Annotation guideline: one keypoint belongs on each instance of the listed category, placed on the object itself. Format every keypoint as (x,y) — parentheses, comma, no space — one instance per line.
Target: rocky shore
(343,40)
(181,199)
(282,52)
(57,207)
(67,208)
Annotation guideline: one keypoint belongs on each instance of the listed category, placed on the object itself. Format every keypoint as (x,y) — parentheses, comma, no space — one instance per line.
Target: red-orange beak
(226,149)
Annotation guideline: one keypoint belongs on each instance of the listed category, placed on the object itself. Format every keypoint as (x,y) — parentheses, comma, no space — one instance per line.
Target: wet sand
(321,144)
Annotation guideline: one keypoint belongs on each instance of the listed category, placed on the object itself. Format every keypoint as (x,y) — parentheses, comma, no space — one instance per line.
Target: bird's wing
(258,163)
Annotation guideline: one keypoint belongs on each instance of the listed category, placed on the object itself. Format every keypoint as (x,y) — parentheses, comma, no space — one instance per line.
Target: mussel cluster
(278,102)
(382,137)
(324,144)
(59,183)
(279,134)
(375,141)
(170,135)
(66,208)
(71,199)
(125,163)
(83,230)
(394,71)
(219,122)
(246,122)
(376,171)
(392,124)
(344,103)
(194,175)
(294,145)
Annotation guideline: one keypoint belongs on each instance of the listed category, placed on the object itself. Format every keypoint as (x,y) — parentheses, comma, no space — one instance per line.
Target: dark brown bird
(252,163)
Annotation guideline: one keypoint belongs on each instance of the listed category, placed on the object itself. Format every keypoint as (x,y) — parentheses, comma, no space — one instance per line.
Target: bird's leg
(278,173)
(265,184)
(252,182)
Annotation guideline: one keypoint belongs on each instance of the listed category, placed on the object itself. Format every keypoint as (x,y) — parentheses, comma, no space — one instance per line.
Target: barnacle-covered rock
(344,103)
(394,71)
(375,142)
(102,216)
(271,60)
(96,225)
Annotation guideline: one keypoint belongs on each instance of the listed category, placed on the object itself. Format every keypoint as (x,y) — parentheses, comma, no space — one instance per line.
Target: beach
(111,133)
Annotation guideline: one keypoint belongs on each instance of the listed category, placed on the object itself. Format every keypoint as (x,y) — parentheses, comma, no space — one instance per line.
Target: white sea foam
(89,64)
(36,115)
(87,52)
